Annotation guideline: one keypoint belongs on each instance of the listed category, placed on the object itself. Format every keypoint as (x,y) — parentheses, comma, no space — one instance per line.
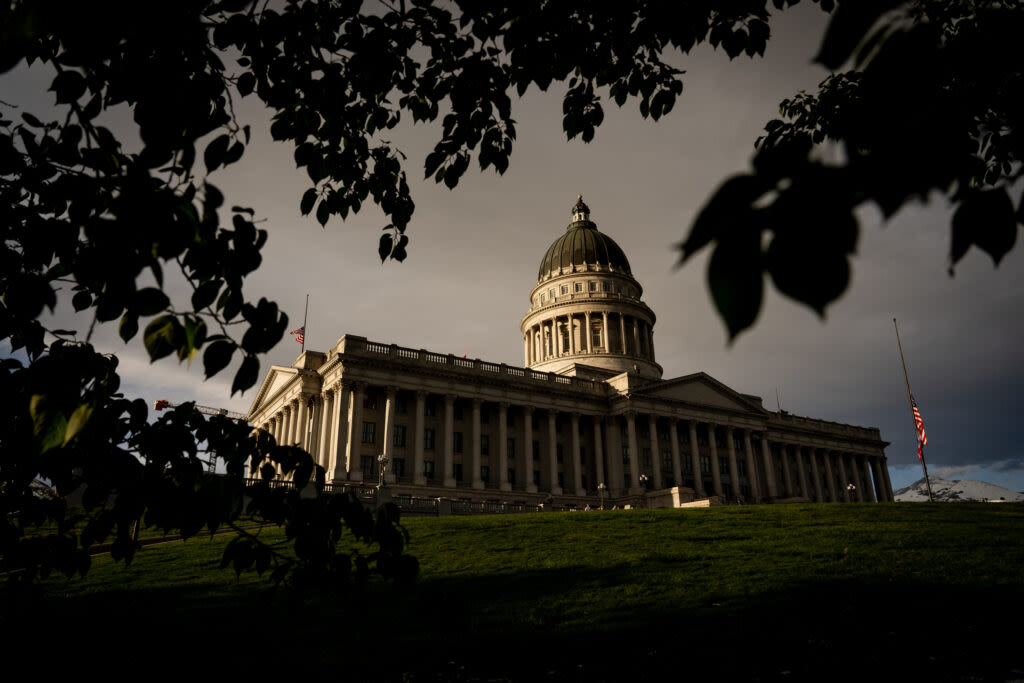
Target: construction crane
(163,403)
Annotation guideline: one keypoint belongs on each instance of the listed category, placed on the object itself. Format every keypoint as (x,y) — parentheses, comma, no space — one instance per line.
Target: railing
(356,345)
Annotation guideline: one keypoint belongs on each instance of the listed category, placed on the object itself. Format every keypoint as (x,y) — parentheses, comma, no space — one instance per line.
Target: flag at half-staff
(299,335)
(922,438)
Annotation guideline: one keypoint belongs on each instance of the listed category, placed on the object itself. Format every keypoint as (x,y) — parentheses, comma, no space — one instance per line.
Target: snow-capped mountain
(953,491)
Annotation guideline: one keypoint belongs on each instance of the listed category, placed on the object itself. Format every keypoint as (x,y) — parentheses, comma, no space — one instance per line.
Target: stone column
(605,339)
(855,475)
(503,447)
(769,471)
(326,431)
(869,489)
(888,482)
(876,471)
(650,331)
(622,325)
(716,476)
(801,471)
(574,440)
(553,454)
(734,470)
(787,474)
(748,451)
(598,452)
(355,434)
(289,425)
(528,449)
(844,480)
(830,476)
(698,474)
(389,434)
(572,334)
(316,417)
(816,473)
(419,428)
(590,336)
(634,454)
(478,483)
(301,421)
(655,451)
(338,447)
(636,337)
(556,341)
(448,453)
(673,440)
(526,348)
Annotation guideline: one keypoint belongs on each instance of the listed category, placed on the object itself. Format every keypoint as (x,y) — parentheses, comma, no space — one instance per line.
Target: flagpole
(910,398)
(305,330)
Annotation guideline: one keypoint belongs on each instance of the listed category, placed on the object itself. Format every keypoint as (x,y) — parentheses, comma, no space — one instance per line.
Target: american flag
(302,331)
(922,438)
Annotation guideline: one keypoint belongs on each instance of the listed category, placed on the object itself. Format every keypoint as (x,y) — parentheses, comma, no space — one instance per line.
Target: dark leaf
(246,376)
(217,356)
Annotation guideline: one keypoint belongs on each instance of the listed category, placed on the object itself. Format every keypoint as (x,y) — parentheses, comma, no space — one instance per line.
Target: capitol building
(587,419)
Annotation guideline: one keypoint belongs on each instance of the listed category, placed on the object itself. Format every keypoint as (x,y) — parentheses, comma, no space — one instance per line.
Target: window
(583,481)
(485,417)
(666,458)
(606,287)
(401,405)
(595,336)
(559,454)
(577,287)
(428,439)
(430,408)
(644,430)
(398,467)
(458,411)
(561,479)
(485,473)
(536,450)
(663,435)
(366,464)
(684,436)
(583,455)
(592,286)
(399,435)
(702,438)
(511,476)
(536,477)
(457,471)
(428,469)
(741,467)
(563,290)
(626,480)
(646,457)
(456,442)
(705,464)
(551,294)
(565,342)
(485,444)
(723,466)
(510,448)
(370,401)
(688,464)
(625,455)
(369,432)
(510,421)
(543,297)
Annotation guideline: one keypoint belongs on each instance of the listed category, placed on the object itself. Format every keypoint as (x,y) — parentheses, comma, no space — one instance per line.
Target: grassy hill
(807,592)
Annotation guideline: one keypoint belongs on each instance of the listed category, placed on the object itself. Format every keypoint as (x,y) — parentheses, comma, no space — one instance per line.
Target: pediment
(700,389)
(278,377)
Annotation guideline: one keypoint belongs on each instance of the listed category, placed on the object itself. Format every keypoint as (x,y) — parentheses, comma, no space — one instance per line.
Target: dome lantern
(580,211)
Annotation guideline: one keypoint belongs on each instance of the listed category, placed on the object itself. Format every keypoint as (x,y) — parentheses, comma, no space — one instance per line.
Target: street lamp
(601,489)
(383,460)
(643,484)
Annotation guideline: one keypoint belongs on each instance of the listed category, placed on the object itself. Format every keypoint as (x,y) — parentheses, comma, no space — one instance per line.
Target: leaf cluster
(931,104)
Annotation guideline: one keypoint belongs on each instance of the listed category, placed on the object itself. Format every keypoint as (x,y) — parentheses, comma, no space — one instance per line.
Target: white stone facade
(588,420)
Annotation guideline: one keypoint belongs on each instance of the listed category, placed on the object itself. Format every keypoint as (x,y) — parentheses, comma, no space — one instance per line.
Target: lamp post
(643,484)
(601,489)
(383,460)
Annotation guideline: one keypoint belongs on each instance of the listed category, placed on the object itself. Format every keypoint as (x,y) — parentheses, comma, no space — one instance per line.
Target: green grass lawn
(805,592)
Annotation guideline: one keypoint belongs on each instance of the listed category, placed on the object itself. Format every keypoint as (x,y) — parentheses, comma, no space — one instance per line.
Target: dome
(582,247)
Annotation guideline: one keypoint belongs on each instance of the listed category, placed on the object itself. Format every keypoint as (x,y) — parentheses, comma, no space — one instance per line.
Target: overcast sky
(474,253)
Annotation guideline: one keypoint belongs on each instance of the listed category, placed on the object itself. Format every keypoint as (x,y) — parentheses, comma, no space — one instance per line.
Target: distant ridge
(959,490)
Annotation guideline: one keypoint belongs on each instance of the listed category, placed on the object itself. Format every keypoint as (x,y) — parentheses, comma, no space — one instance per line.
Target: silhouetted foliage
(930,106)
